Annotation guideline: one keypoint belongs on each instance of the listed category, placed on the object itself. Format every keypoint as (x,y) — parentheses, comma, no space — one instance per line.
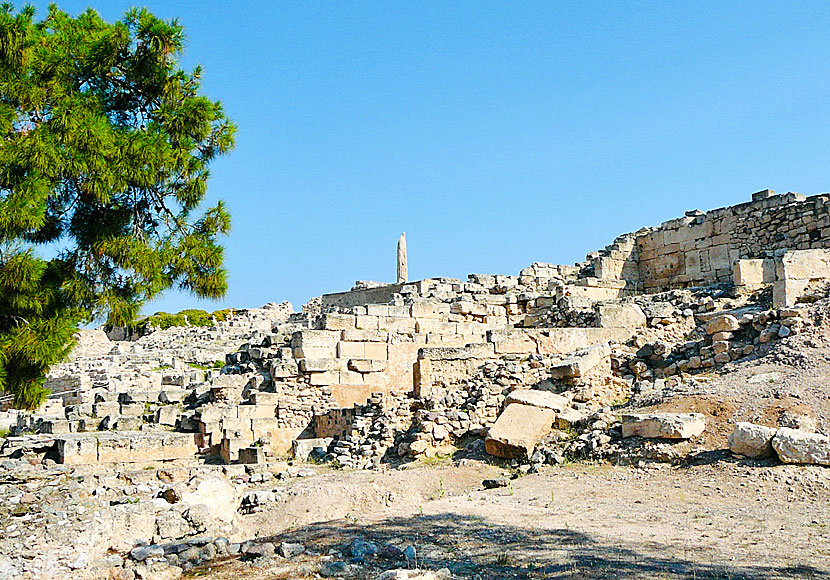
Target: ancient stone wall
(700,249)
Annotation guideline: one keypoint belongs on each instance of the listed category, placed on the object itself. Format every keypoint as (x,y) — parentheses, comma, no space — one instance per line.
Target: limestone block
(334,321)
(399,325)
(264,427)
(167,415)
(326,378)
(569,418)
(125,423)
(351,349)
(173,395)
(753,273)
(663,425)
(512,342)
(804,265)
(517,430)
(424,310)
(263,398)
(581,362)
(317,365)
(229,448)
(245,411)
(615,314)
(365,336)
(751,440)
(367,323)
(114,448)
(77,449)
(144,448)
(178,446)
(719,257)
(542,399)
(55,426)
(796,446)
(785,293)
(252,455)
(315,343)
(132,409)
(367,365)
(375,351)
(722,323)
(351,378)
(108,408)
(377,309)
(302,448)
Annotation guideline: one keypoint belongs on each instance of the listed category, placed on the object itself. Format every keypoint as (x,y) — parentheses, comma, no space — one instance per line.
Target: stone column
(403,273)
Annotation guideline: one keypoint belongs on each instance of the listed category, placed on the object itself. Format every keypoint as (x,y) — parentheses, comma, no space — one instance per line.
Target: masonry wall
(701,248)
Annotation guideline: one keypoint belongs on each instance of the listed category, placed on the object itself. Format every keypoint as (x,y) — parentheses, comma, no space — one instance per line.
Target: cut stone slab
(580,362)
(751,440)
(569,418)
(541,399)
(616,314)
(302,448)
(663,425)
(797,446)
(517,430)
(722,323)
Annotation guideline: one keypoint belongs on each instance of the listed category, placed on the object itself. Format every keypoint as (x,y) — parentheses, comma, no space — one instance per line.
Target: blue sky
(494,134)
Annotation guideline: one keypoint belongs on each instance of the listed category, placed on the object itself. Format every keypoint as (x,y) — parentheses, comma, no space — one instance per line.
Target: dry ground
(723,518)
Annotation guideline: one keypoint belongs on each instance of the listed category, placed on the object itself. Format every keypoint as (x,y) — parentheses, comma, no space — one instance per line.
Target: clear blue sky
(494,134)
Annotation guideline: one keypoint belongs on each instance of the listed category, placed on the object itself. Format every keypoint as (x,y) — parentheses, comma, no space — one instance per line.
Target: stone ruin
(388,372)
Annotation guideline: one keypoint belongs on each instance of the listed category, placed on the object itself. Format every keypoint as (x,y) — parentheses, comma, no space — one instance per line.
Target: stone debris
(663,425)
(750,440)
(796,446)
(517,430)
(536,368)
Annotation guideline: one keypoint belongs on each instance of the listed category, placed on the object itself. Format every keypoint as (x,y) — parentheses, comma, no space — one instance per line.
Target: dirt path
(727,519)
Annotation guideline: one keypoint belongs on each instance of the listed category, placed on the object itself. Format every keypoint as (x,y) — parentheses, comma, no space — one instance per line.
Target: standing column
(403,272)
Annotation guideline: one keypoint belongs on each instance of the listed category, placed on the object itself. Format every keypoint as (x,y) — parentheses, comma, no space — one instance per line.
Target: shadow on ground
(475,548)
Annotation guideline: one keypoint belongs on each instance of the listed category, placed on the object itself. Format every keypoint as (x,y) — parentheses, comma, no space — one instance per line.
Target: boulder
(796,446)
(722,323)
(517,430)
(580,362)
(751,440)
(542,399)
(663,425)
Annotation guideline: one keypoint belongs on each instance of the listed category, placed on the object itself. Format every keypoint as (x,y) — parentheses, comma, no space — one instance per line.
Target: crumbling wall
(701,249)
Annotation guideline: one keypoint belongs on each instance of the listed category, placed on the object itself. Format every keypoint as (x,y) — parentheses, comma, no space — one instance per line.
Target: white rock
(663,425)
(542,399)
(218,495)
(796,446)
(751,440)
(722,323)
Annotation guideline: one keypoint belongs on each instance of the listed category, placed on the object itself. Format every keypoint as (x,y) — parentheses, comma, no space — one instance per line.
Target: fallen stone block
(722,323)
(615,315)
(796,446)
(581,362)
(167,415)
(541,399)
(517,430)
(751,440)
(569,418)
(663,425)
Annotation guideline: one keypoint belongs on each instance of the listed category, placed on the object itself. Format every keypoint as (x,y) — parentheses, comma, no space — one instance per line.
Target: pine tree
(104,162)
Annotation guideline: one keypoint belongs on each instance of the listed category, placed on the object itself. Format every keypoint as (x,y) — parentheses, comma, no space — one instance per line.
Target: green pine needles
(104,159)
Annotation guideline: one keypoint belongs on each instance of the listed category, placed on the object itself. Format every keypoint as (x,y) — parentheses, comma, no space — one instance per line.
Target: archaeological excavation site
(660,410)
